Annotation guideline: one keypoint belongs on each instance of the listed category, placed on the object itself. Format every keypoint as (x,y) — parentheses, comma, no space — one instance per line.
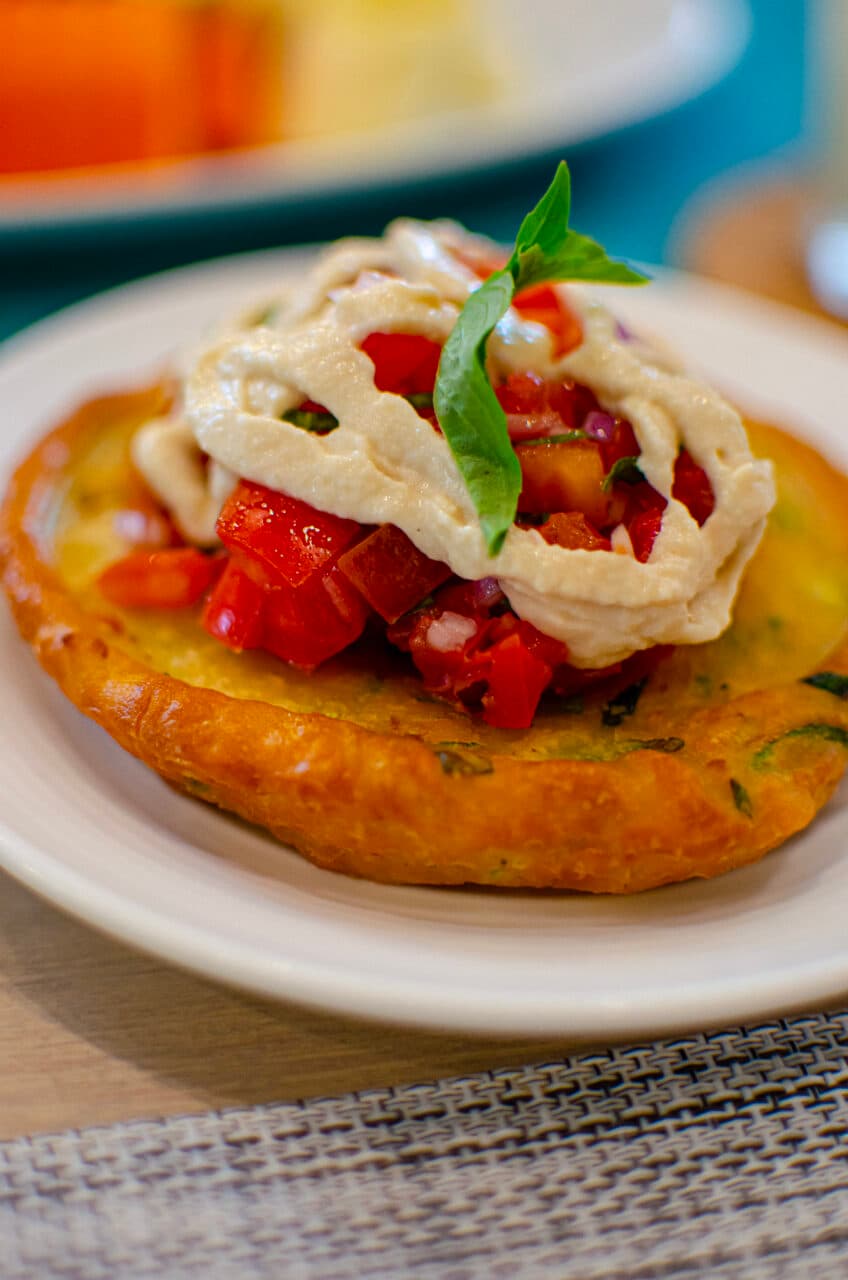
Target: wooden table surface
(92,1032)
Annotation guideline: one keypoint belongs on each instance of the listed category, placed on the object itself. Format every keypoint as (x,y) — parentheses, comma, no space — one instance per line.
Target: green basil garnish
(827,732)
(470,416)
(668,745)
(420,399)
(565,437)
(623,704)
(741,798)
(309,421)
(463,762)
(624,471)
(830,682)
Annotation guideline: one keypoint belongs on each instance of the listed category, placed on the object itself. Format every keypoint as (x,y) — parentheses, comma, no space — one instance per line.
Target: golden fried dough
(726,751)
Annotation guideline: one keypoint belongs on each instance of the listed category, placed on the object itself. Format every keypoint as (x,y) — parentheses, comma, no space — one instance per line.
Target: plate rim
(795,990)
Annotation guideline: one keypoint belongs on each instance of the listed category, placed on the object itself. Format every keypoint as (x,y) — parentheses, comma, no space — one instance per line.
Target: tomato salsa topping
(302,584)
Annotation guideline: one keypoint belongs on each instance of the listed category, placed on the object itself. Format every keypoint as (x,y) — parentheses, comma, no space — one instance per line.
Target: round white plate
(582,71)
(90,828)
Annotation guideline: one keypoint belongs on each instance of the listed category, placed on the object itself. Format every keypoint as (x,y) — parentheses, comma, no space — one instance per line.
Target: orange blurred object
(92,82)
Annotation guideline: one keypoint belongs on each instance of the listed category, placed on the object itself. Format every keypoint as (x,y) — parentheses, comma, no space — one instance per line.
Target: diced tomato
(545,304)
(233,612)
(290,539)
(171,579)
(516,679)
(442,640)
(622,443)
(536,408)
(404,363)
(571,529)
(498,664)
(643,530)
(390,572)
(563,477)
(523,393)
(542,303)
(310,623)
(524,398)
(546,648)
(692,487)
(573,402)
(645,661)
(568,681)
(474,599)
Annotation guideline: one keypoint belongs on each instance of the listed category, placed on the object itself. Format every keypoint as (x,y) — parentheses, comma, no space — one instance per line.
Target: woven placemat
(720,1155)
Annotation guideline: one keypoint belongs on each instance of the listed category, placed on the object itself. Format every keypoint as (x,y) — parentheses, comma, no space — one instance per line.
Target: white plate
(96,832)
(583,70)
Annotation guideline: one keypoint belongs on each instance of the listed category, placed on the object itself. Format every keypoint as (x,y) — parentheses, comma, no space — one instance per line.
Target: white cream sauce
(384,463)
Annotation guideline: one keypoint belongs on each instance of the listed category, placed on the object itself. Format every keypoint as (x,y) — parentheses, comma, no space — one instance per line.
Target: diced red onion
(486,592)
(598,425)
(450,632)
(623,333)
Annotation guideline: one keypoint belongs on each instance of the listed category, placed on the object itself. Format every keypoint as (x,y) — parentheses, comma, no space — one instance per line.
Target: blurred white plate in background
(583,70)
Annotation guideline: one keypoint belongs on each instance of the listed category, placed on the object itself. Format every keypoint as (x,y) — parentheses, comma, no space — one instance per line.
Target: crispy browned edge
(380,805)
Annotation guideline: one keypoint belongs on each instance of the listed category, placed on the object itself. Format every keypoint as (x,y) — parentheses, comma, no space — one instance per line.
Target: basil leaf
(741,798)
(469,414)
(542,227)
(419,399)
(565,438)
(830,682)
(309,421)
(624,471)
(828,732)
(580,258)
(473,422)
(465,763)
(546,249)
(668,745)
(623,704)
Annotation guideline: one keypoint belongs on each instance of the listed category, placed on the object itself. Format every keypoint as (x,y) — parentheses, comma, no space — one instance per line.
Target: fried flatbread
(723,753)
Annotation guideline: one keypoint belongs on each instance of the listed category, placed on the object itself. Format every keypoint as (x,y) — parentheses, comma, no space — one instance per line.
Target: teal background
(628,189)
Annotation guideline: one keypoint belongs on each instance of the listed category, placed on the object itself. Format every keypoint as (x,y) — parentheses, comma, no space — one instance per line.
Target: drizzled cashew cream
(386,464)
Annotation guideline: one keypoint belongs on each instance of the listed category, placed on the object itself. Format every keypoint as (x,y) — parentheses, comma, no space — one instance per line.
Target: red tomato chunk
(545,305)
(404,363)
(233,612)
(541,303)
(171,579)
(692,487)
(290,539)
(304,625)
(537,408)
(643,530)
(478,658)
(563,477)
(285,593)
(308,624)
(390,572)
(572,530)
